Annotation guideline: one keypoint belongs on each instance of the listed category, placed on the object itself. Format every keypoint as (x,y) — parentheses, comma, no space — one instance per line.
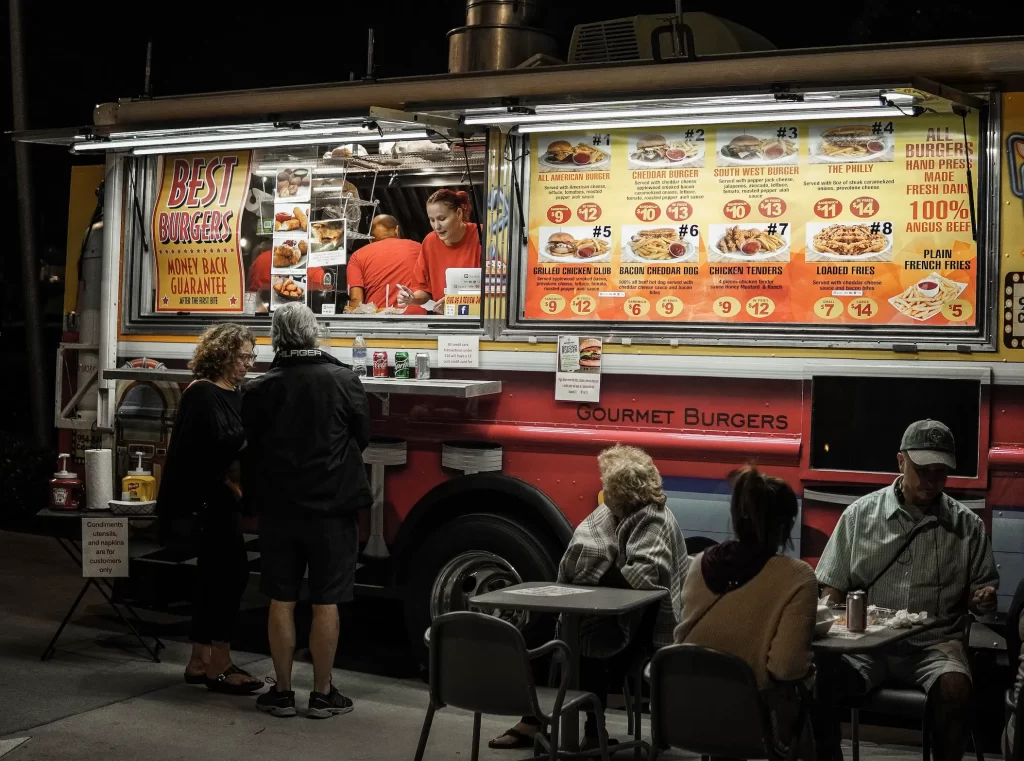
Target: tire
(477,552)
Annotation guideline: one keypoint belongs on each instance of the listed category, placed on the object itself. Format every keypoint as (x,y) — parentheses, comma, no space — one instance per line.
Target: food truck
(780,258)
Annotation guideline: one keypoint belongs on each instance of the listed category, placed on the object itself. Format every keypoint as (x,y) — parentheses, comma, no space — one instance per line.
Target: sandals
(522,740)
(221,683)
(199,678)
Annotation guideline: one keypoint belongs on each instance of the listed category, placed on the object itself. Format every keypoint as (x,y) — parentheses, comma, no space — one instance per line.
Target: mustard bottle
(139,485)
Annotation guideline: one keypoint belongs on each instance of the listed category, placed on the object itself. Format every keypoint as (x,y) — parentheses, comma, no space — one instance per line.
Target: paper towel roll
(99,479)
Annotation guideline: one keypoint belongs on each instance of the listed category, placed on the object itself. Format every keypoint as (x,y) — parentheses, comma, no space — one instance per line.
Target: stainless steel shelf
(458,389)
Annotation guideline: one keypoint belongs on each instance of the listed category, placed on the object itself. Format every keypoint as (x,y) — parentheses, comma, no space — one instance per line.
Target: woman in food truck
(453,242)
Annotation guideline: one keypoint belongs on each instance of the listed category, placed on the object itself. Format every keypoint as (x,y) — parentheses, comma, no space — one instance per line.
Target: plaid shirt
(649,549)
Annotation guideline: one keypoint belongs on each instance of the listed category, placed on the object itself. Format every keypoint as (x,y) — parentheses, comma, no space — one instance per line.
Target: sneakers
(324,706)
(277,703)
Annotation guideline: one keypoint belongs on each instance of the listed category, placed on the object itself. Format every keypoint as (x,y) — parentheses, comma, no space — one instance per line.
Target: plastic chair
(708,702)
(481,664)
(908,702)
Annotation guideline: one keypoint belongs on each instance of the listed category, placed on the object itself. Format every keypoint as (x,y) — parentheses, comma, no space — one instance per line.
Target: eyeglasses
(249,359)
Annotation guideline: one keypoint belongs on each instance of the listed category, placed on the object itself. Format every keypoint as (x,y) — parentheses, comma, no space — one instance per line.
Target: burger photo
(560,151)
(743,147)
(561,244)
(650,148)
(590,352)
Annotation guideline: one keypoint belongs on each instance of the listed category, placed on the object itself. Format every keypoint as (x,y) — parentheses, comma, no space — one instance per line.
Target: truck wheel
(472,555)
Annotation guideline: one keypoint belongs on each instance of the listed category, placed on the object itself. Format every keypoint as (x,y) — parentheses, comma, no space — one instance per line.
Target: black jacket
(306,422)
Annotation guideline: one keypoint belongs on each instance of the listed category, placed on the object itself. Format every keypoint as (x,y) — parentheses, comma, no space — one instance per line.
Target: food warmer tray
(458,389)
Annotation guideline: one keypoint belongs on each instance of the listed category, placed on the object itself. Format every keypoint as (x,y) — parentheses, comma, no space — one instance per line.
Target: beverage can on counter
(422,366)
(380,364)
(856,611)
(402,369)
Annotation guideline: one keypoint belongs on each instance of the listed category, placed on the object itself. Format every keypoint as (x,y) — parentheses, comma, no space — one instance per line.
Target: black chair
(708,702)
(906,702)
(480,663)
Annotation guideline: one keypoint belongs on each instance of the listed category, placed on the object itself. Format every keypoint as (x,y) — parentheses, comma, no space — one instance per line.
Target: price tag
(772,207)
(727,307)
(636,306)
(760,307)
(958,311)
(552,303)
(737,209)
(864,207)
(648,211)
(559,214)
(828,208)
(862,308)
(828,308)
(679,211)
(583,305)
(669,306)
(589,212)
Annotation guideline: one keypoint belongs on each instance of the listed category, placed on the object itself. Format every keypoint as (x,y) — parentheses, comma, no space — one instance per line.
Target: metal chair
(907,702)
(708,702)
(481,664)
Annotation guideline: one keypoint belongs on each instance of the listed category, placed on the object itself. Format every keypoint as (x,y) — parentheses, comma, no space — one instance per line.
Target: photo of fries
(926,298)
(641,243)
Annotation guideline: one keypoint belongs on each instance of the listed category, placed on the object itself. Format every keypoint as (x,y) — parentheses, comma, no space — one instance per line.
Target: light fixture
(695,110)
(113,145)
(220,145)
(585,126)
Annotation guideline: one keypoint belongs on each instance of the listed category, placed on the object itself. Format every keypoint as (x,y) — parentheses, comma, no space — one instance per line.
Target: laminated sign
(195,232)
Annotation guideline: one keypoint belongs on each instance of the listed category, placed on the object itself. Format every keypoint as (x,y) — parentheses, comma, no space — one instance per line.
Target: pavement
(99,698)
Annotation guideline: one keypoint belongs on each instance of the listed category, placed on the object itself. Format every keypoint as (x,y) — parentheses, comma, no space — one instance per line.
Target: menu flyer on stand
(578,373)
(813,222)
(196,224)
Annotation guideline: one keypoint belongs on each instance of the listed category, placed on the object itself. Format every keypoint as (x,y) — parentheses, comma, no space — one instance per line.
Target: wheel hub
(474,573)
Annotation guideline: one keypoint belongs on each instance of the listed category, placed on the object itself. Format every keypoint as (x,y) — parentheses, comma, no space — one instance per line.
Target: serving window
(237,234)
(857,231)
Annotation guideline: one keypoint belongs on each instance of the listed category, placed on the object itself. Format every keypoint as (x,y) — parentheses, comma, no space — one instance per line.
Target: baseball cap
(929,442)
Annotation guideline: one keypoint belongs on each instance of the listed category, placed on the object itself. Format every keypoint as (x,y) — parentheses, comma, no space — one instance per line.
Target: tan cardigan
(768,622)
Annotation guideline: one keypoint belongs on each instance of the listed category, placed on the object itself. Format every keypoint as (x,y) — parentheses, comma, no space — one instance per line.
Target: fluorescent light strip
(230,146)
(114,145)
(867,113)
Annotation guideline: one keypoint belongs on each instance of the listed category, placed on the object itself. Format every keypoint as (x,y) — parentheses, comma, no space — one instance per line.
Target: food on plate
(849,240)
(749,242)
(659,243)
(925,299)
(680,150)
(853,141)
(289,253)
(288,288)
(657,148)
(285,222)
(590,352)
(563,244)
(290,182)
(750,148)
(564,152)
(328,234)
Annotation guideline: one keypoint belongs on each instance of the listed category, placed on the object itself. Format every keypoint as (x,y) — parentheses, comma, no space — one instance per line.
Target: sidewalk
(94,701)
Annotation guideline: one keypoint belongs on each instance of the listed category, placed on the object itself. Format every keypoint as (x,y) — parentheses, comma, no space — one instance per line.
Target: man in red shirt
(375,271)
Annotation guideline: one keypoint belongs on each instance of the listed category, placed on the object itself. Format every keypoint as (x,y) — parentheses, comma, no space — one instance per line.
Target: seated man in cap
(911,546)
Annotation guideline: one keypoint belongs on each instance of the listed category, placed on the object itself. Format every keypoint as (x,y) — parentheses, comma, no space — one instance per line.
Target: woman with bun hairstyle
(453,242)
(743,598)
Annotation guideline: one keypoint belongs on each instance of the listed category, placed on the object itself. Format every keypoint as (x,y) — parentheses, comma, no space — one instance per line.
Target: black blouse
(206,439)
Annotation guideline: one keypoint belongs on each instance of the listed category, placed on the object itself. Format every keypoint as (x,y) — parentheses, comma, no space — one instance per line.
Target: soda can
(380,364)
(402,369)
(422,366)
(856,612)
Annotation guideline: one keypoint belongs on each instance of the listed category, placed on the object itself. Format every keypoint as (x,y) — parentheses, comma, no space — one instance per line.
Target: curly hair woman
(200,481)
(631,541)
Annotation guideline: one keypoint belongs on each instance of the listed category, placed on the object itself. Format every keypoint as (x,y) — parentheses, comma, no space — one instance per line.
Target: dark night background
(96,54)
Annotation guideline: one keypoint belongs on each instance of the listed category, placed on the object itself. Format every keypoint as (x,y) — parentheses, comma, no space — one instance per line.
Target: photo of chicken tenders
(291,219)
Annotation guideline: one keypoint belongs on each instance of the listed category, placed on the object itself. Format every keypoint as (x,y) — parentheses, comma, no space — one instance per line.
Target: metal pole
(369,54)
(26,223)
(147,85)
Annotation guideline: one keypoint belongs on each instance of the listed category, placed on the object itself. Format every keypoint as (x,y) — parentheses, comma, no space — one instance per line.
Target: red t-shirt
(436,258)
(378,268)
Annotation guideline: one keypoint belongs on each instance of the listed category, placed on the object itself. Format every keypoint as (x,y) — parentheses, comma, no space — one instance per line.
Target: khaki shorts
(921,669)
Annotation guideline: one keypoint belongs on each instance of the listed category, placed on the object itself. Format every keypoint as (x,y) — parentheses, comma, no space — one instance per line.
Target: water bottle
(359,356)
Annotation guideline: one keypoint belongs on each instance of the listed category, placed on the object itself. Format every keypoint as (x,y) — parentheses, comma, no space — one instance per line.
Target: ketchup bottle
(66,491)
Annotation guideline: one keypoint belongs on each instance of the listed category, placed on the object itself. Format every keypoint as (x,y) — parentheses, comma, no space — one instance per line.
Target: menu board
(196,224)
(819,222)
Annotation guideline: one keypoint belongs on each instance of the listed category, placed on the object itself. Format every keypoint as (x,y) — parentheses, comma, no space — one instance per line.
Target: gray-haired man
(911,546)
(306,423)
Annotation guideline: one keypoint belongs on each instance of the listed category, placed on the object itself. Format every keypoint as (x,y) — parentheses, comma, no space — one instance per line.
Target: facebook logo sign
(463,309)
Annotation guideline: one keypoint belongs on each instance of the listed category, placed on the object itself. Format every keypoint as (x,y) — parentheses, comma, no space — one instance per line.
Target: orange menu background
(914,189)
